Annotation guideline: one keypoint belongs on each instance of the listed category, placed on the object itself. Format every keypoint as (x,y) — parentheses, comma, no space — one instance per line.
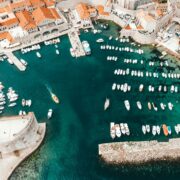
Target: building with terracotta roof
(6,39)
(46,17)
(83,13)
(101,10)
(26,21)
(8,21)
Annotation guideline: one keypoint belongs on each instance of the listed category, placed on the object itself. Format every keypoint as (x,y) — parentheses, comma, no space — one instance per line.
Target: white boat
(170,106)
(149,106)
(141,87)
(114,86)
(57,51)
(118,131)
(100,40)
(20,112)
(155,108)
(72,51)
(112,130)
(126,129)
(176,129)
(162,106)
(127,105)
(23,62)
(38,54)
(24,112)
(1,107)
(144,129)
(10,61)
(12,105)
(122,128)
(2,102)
(23,102)
(28,102)
(158,129)
(148,129)
(86,47)
(49,114)
(139,105)
(106,104)
(154,130)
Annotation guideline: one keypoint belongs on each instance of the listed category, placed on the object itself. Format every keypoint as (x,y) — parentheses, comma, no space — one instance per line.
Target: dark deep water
(79,124)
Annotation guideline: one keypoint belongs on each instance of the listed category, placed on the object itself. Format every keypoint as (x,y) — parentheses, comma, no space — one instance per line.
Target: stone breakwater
(139,151)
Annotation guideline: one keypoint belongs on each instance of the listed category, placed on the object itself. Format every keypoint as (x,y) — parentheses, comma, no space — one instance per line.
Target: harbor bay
(79,122)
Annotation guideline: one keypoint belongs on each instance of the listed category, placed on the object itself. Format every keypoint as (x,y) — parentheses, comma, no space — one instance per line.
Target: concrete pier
(16,61)
(139,151)
(76,43)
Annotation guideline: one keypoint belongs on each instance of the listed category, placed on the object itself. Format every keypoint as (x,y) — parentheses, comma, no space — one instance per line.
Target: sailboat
(106,104)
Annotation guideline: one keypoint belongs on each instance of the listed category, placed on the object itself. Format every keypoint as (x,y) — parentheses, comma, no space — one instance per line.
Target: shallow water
(79,124)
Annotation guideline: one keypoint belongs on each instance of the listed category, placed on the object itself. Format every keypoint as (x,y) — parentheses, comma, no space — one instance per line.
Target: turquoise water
(79,124)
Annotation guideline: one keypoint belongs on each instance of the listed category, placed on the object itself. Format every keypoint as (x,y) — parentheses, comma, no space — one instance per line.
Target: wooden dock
(16,61)
(139,151)
(76,43)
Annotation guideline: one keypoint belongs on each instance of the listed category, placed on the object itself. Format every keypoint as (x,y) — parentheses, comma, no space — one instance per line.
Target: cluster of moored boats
(117,130)
(112,58)
(165,63)
(52,41)
(139,73)
(121,87)
(122,40)
(32,48)
(150,105)
(133,61)
(117,48)
(12,97)
(156,129)
(3,57)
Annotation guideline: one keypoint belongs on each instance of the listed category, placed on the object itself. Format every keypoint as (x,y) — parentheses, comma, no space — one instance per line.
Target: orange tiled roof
(128,27)
(26,20)
(17,5)
(37,3)
(82,10)
(101,11)
(49,2)
(41,14)
(9,22)
(139,27)
(6,35)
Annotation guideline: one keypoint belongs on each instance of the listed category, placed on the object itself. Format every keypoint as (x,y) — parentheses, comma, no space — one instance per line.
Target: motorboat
(154,130)
(49,114)
(176,129)
(165,130)
(106,104)
(144,129)
(170,106)
(169,130)
(148,128)
(23,102)
(127,105)
(20,112)
(54,98)
(12,104)
(126,129)
(86,47)
(149,106)
(23,62)
(162,106)
(118,131)
(139,105)
(122,128)
(112,130)
(100,40)
(158,129)
(72,51)
(57,51)
(141,87)
(38,54)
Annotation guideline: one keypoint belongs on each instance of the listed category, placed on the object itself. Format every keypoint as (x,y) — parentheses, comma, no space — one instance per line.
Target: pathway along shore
(139,151)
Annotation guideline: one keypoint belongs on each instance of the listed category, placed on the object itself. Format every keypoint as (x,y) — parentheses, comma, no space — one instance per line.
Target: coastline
(27,153)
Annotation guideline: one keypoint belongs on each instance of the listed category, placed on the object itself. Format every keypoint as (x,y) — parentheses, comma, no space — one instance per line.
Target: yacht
(49,114)
(139,105)
(155,108)
(23,102)
(55,98)
(127,104)
(38,54)
(114,86)
(12,105)
(106,104)
(112,130)
(100,40)
(176,129)
(86,47)
(162,106)
(144,129)
(118,131)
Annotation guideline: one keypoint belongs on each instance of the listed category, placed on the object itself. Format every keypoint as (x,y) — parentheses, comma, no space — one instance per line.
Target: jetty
(137,152)
(20,136)
(76,43)
(16,61)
